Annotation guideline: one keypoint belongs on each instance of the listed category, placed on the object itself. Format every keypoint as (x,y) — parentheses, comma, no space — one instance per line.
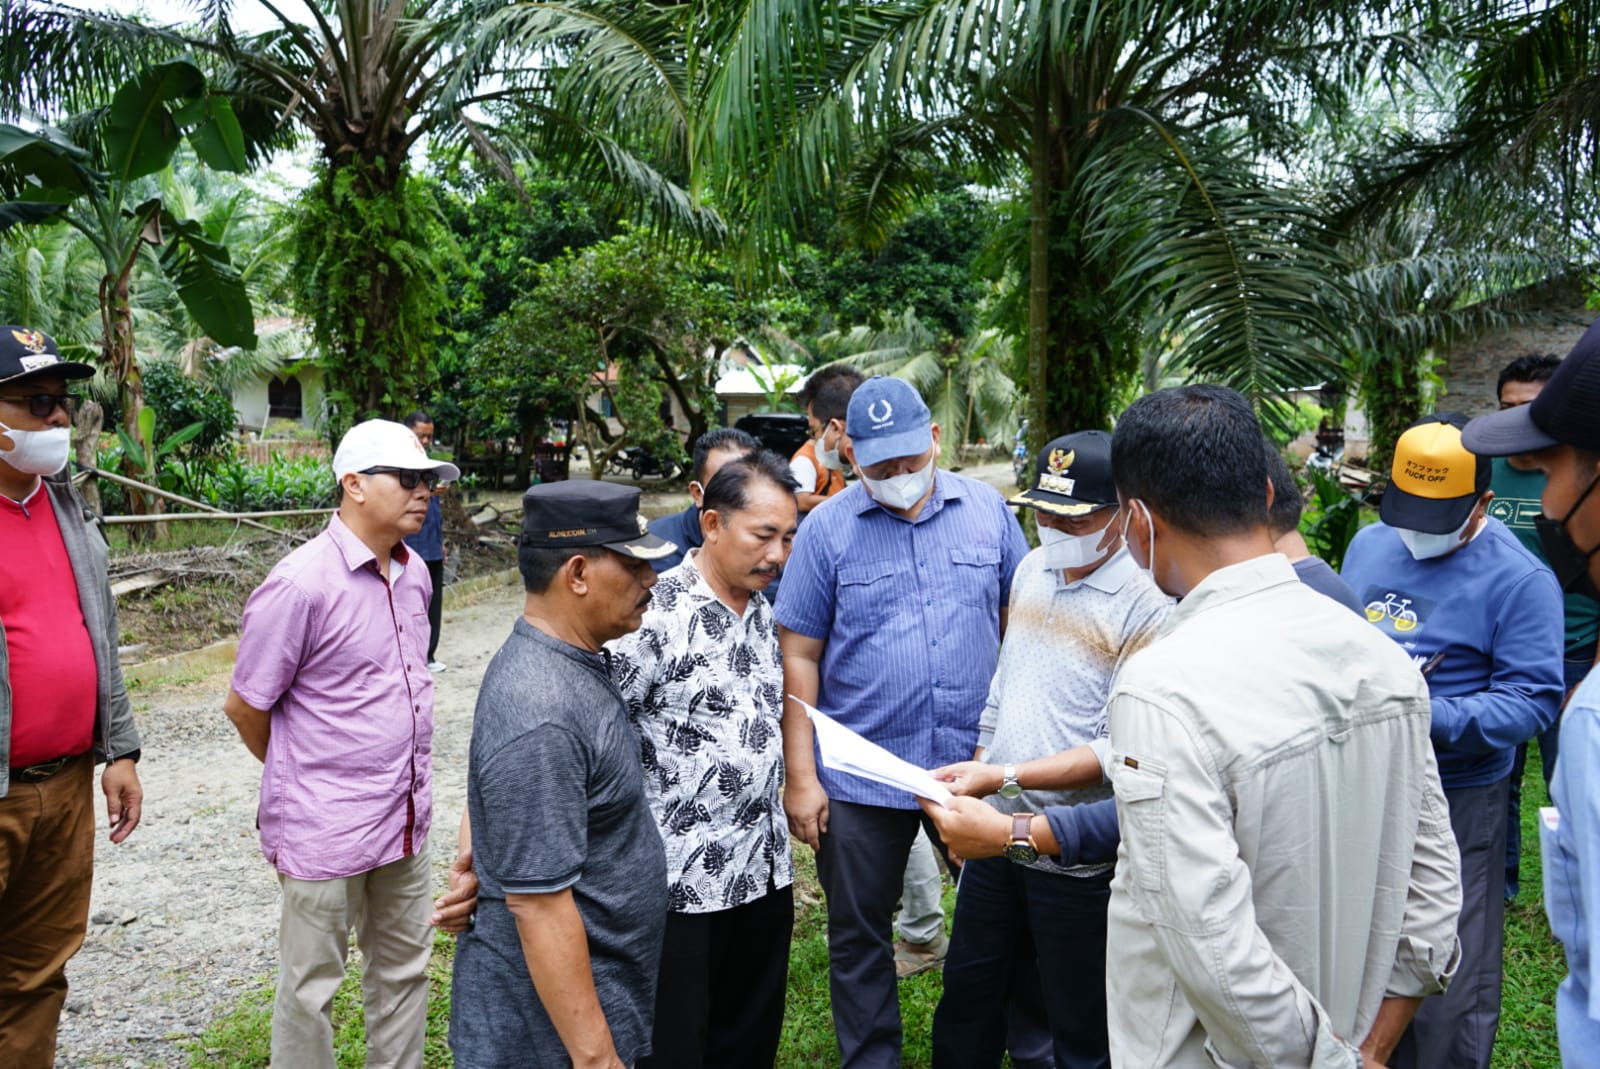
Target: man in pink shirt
(332,693)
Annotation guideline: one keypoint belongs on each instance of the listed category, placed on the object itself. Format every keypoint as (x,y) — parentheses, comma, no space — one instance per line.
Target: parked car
(781,432)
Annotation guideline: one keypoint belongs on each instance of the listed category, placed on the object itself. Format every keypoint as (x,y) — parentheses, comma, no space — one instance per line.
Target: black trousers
(861,866)
(719,1000)
(435,606)
(1024,937)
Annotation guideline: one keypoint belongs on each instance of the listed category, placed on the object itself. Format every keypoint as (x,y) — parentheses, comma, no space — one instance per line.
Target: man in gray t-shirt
(561,965)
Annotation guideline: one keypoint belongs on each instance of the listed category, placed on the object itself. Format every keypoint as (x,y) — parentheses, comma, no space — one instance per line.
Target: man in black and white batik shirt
(704,684)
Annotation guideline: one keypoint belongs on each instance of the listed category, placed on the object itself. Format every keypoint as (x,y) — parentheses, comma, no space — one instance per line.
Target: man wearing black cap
(1481,618)
(62,701)
(1559,434)
(1079,608)
(560,969)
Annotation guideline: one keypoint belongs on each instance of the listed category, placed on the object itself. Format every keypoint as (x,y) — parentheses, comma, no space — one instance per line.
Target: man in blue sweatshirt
(1481,618)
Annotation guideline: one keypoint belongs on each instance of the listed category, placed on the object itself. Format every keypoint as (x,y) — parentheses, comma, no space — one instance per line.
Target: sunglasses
(408,477)
(40,405)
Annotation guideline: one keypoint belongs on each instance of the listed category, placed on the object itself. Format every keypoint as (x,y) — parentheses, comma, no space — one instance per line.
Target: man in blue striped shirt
(893,603)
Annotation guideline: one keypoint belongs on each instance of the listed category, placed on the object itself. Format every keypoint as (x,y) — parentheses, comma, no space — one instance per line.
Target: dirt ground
(184,914)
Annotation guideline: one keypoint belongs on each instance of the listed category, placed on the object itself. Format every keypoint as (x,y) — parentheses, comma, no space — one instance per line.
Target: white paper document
(844,751)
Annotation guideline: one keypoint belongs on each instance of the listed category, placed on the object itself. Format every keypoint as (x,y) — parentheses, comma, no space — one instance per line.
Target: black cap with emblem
(1072,476)
(25,351)
(583,512)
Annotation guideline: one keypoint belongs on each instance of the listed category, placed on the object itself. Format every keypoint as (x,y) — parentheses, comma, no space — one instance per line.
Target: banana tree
(91,175)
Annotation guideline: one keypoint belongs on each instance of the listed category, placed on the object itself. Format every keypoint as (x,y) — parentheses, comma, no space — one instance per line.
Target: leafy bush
(302,483)
(178,401)
(1331,519)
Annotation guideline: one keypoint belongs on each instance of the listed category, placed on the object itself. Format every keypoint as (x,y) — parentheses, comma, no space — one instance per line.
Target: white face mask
(1063,550)
(37,452)
(1150,565)
(1423,546)
(828,458)
(902,491)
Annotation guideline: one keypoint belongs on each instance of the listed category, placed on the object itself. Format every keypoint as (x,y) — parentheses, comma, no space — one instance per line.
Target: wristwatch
(1021,847)
(1009,787)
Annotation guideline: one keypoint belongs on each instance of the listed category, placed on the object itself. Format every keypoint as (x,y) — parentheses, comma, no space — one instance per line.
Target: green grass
(1534,962)
(1534,965)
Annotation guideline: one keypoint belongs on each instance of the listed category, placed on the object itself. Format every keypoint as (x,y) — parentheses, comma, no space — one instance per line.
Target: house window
(283,399)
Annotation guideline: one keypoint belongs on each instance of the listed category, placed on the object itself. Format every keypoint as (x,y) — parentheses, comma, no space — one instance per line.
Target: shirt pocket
(976,576)
(867,592)
(1141,790)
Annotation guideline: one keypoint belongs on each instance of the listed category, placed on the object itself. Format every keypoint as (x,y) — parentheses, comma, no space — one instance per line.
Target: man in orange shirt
(816,465)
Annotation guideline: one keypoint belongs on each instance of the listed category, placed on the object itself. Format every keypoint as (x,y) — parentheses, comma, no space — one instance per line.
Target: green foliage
(1283,422)
(1331,518)
(305,482)
(178,401)
(370,251)
(625,319)
(928,264)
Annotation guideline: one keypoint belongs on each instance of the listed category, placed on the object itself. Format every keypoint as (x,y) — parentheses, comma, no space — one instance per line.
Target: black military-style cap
(1072,476)
(24,352)
(584,512)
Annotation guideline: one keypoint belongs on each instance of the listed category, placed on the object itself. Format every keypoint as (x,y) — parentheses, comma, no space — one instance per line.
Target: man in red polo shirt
(63,705)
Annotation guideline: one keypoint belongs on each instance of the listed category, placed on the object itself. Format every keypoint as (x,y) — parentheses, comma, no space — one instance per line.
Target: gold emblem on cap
(32,340)
(1061,460)
(644,524)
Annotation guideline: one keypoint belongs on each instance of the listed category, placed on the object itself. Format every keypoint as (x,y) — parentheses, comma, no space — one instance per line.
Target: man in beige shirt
(1286,889)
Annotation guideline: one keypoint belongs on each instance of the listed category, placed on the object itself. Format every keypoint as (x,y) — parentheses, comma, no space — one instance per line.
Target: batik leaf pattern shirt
(704,687)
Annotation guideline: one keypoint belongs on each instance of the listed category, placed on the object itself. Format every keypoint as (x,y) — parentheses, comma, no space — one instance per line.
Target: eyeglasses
(408,477)
(40,405)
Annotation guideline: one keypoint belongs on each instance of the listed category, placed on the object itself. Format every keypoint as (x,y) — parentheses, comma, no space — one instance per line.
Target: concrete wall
(1556,317)
(250,400)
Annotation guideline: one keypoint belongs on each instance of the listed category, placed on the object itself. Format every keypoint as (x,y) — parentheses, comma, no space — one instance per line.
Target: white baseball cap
(382,443)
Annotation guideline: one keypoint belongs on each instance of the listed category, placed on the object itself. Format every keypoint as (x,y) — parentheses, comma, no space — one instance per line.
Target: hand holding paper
(842,750)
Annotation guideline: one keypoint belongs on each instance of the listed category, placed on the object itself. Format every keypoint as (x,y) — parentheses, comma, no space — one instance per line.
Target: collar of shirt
(22,506)
(356,554)
(1231,583)
(699,591)
(595,662)
(944,489)
(1109,578)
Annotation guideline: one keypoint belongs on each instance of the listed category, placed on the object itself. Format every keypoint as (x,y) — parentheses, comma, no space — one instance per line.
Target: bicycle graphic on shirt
(1395,609)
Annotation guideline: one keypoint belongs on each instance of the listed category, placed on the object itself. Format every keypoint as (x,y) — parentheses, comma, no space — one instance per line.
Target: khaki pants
(389,908)
(46,873)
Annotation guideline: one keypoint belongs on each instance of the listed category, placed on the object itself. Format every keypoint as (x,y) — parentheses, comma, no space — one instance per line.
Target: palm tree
(963,380)
(366,79)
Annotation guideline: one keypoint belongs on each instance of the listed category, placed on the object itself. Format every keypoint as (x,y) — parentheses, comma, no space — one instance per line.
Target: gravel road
(184,913)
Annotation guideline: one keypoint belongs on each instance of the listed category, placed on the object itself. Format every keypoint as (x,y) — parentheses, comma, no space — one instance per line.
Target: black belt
(40,772)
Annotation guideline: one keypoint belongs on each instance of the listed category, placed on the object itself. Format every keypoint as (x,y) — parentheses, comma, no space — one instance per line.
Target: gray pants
(389,908)
(1456,1030)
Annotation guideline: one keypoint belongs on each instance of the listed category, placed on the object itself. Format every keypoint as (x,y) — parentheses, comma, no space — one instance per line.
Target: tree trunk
(117,320)
(86,443)
(1039,189)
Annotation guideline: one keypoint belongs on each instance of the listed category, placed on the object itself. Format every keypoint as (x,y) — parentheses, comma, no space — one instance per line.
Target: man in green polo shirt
(1516,503)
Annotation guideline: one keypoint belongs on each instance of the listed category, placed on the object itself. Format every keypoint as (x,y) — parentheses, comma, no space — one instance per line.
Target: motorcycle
(1021,462)
(640,463)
